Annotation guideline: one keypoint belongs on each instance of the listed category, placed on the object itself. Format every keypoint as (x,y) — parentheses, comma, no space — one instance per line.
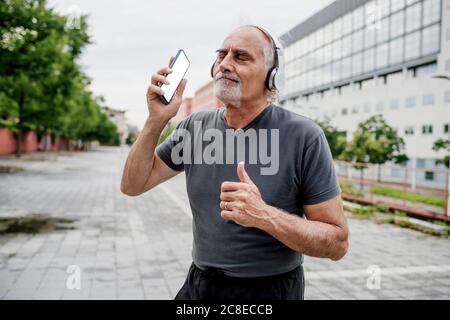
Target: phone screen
(179,66)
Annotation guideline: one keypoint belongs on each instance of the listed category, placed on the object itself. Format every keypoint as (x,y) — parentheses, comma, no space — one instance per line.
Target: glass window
(447,65)
(428,99)
(446,128)
(346,46)
(397,24)
(357,64)
(346,68)
(396,51)
(357,41)
(448,34)
(382,56)
(337,50)
(369,60)
(426,70)
(337,28)
(412,45)
(427,129)
(328,33)
(383,30)
(355,110)
(431,11)
(336,75)
(369,37)
(430,40)
(409,130)
(394,104)
(410,102)
(327,73)
(344,111)
(358,18)
(447,97)
(327,54)
(319,38)
(347,24)
(318,57)
(397,5)
(384,7)
(413,17)
(380,106)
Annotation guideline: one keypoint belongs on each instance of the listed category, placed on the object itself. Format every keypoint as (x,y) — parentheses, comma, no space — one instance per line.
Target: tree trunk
(362,180)
(379,173)
(20,126)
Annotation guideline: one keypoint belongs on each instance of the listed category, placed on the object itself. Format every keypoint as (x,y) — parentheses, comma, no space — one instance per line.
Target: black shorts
(213,284)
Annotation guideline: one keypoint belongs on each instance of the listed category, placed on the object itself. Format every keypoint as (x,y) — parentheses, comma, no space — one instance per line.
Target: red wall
(7,142)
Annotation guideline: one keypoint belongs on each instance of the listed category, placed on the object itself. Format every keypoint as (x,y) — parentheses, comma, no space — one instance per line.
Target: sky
(133,39)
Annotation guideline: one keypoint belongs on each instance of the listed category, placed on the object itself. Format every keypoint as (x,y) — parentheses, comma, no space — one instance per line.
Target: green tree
(336,138)
(443,144)
(374,142)
(38,68)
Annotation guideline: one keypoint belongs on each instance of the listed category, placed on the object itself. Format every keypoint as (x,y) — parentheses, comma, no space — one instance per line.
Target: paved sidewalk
(139,248)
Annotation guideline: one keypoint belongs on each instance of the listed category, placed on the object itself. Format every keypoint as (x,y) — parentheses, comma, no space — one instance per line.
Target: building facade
(355,59)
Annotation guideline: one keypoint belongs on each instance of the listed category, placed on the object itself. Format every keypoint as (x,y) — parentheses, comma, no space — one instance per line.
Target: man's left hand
(242,203)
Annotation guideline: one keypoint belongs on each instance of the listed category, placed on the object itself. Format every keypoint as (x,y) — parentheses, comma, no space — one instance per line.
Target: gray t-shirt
(288,158)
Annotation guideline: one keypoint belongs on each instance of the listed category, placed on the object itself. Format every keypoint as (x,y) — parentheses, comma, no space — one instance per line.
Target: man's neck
(239,117)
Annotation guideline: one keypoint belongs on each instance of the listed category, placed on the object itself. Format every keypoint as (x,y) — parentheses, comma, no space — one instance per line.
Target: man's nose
(226,65)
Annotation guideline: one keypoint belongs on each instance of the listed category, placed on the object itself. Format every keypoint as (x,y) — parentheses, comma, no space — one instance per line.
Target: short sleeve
(170,151)
(319,182)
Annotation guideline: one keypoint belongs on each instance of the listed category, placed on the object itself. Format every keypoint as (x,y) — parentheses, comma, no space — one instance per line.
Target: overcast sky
(134,38)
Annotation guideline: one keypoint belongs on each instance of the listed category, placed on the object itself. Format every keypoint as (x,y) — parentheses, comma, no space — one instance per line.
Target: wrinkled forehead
(247,38)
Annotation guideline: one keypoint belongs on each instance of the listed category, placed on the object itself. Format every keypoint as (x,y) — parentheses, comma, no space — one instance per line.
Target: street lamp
(446,77)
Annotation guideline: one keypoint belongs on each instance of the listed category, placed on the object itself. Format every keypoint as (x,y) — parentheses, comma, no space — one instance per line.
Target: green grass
(409,196)
(347,187)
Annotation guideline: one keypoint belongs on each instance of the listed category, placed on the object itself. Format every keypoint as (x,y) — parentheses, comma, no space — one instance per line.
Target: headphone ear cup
(270,79)
(212,69)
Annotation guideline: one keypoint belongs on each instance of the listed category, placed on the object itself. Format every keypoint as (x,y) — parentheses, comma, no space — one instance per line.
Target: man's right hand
(159,112)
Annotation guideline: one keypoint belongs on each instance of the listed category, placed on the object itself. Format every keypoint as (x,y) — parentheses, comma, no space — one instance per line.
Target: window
(431,11)
(393,104)
(336,75)
(428,99)
(397,5)
(357,64)
(429,175)
(346,68)
(396,51)
(397,25)
(427,129)
(380,106)
(410,102)
(357,41)
(430,37)
(447,97)
(355,110)
(344,111)
(426,70)
(358,18)
(413,17)
(383,30)
(409,131)
(447,128)
(367,108)
(448,34)
(382,55)
(347,24)
(369,60)
(346,46)
(412,46)
(447,65)
(328,33)
(369,37)
(337,28)
(337,50)
(384,7)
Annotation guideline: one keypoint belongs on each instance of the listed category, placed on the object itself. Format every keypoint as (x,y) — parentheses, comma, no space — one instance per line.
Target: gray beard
(228,94)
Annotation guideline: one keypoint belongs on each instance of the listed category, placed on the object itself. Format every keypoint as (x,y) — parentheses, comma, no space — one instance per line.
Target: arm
(143,168)
(324,234)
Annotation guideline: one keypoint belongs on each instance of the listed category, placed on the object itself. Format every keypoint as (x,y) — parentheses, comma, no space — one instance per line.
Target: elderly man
(251,227)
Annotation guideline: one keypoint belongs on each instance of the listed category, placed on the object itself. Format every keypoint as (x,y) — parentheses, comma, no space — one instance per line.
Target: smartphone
(180,65)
